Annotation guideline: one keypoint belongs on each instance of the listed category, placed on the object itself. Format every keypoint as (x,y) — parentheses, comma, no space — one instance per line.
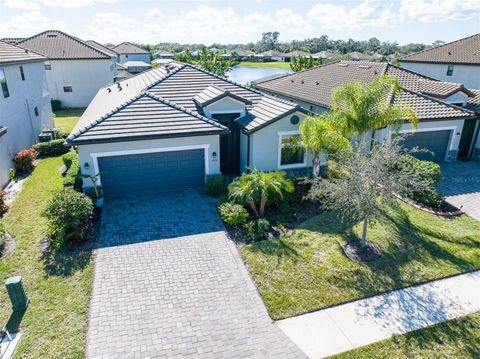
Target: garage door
(152,172)
(434,141)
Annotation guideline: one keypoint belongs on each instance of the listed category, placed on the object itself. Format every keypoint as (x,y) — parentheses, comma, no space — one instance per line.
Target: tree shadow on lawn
(65,263)
(278,248)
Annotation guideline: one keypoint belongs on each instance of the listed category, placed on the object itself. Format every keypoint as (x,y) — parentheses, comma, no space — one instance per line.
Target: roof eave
(273,120)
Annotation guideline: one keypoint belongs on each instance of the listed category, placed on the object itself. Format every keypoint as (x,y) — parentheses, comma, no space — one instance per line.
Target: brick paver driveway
(169,283)
(461,186)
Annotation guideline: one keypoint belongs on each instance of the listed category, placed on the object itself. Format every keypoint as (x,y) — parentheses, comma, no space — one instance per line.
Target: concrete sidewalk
(334,330)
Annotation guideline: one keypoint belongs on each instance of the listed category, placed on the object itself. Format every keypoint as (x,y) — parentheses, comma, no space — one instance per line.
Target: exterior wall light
(214,155)
(86,165)
(458,134)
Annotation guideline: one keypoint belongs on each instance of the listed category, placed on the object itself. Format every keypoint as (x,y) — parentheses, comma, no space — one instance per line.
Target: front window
(291,154)
(48,66)
(3,82)
(67,89)
(450,70)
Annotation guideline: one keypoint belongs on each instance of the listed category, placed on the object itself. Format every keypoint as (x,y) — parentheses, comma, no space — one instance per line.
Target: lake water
(245,74)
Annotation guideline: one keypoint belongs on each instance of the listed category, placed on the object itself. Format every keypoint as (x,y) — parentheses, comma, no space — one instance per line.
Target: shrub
(72,178)
(216,185)
(257,230)
(3,236)
(68,158)
(23,160)
(3,205)
(284,215)
(52,148)
(61,134)
(11,174)
(233,214)
(69,214)
(56,105)
(424,170)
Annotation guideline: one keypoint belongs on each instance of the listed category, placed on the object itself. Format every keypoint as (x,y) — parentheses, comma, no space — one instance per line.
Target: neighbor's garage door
(434,141)
(151,172)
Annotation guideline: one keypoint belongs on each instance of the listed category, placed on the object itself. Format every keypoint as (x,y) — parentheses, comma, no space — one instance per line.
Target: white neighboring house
(75,70)
(131,52)
(24,103)
(457,61)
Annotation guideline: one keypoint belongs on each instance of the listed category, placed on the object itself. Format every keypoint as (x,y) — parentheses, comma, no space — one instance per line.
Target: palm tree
(321,136)
(362,108)
(244,189)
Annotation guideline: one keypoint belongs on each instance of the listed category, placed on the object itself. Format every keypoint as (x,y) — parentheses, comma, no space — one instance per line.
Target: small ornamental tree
(368,185)
(299,63)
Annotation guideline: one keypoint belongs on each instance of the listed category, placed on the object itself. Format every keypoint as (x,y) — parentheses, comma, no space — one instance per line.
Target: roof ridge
(439,101)
(166,76)
(437,47)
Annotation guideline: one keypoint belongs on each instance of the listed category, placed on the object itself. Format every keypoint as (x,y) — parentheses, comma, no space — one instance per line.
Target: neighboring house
(457,61)
(75,70)
(242,55)
(122,72)
(272,55)
(135,67)
(165,55)
(131,52)
(166,128)
(447,127)
(113,54)
(325,55)
(358,56)
(24,103)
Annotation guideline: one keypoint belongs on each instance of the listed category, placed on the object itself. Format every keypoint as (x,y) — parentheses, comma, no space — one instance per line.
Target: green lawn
(308,270)
(68,118)
(459,338)
(275,64)
(59,288)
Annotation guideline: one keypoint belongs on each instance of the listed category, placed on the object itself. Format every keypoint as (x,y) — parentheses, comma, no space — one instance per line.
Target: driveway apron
(169,283)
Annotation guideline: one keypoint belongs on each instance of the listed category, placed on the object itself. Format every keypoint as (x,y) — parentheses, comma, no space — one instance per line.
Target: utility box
(17,293)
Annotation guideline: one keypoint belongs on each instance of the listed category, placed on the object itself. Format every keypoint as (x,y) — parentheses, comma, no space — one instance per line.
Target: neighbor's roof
(11,54)
(12,40)
(316,86)
(129,48)
(57,45)
(136,64)
(355,55)
(101,47)
(272,53)
(298,53)
(175,84)
(474,102)
(464,51)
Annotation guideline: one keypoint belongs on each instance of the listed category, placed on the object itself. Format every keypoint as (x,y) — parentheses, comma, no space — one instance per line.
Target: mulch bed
(357,253)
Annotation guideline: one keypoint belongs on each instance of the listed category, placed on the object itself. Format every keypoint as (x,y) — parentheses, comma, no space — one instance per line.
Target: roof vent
(317,83)
(119,86)
(343,65)
(375,72)
(449,53)
(303,82)
(52,35)
(109,89)
(291,80)
(364,66)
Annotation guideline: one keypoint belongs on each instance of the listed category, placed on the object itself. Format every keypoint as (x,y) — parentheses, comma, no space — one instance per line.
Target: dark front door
(466,139)
(229,144)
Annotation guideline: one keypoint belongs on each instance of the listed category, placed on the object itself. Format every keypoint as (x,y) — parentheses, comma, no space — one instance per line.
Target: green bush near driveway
(72,178)
(216,185)
(233,214)
(52,148)
(308,270)
(257,230)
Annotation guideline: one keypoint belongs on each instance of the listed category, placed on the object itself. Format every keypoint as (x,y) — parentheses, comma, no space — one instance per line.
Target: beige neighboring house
(457,61)
(24,103)
(448,112)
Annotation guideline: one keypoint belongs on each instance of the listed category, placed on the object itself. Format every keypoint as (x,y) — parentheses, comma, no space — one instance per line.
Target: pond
(246,74)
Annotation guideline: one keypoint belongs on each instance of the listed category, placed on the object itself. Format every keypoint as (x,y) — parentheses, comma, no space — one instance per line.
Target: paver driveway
(461,186)
(169,283)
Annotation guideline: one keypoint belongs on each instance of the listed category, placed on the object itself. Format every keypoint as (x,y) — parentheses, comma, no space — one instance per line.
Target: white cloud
(28,24)
(287,19)
(369,13)
(438,10)
(75,3)
(22,4)
(154,13)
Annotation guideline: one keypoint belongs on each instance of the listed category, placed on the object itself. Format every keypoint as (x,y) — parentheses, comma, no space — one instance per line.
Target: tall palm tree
(362,107)
(321,136)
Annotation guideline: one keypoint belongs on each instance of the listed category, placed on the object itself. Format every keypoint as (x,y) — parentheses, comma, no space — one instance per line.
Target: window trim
(281,134)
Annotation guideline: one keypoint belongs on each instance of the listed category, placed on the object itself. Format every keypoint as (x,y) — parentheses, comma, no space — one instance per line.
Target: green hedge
(68,158)
(56,105)
(52,148)
(72,179)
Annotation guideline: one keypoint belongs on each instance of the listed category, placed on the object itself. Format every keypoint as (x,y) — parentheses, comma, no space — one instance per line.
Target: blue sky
(215,21)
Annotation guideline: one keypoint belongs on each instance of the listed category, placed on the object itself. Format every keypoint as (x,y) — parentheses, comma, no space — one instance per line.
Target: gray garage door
(151,172)
(434,141)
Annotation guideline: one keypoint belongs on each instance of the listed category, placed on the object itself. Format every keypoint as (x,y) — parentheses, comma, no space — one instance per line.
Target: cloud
(75,3)
(369,13)
(154,13)
(28,24)
(438,10)
(22,4)
(287,19)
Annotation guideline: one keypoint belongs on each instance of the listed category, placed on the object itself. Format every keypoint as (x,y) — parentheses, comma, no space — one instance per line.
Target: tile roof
(129,48)
(175,84)
(316,85)
(473,103)
(355,55)
(213,93)
(464,51)
(103,48)
(12,40)
(136,64)
(57,45)
(12,54)
(298,53)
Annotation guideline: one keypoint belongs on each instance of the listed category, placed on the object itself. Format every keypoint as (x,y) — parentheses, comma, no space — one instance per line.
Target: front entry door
(229,144)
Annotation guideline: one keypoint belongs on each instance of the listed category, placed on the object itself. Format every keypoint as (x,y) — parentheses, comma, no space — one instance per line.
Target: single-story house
(164,55)
(131,52)
(273,55)
(457,61)
(447,125)
(169,127)
(359,56)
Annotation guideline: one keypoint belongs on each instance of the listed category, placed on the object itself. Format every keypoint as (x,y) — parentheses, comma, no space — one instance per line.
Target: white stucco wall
(135,57)
(265,143)
(85,77)
(17,112)
(464,74)
(225,105)
(87,153)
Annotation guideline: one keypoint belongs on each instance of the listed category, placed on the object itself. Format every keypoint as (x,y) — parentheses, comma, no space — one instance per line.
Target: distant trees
(298,63)
(211,61)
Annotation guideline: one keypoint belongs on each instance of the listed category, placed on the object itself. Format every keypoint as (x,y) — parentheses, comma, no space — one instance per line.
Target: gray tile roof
(129,48)
(175,84)
(474,102)
(213,93)
(316,86)
(12,54)
(463,51)
(103,48)
(355,55)
(12,40)
(57,45)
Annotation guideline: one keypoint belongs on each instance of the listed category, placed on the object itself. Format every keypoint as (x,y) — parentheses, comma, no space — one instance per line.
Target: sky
(242,21)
